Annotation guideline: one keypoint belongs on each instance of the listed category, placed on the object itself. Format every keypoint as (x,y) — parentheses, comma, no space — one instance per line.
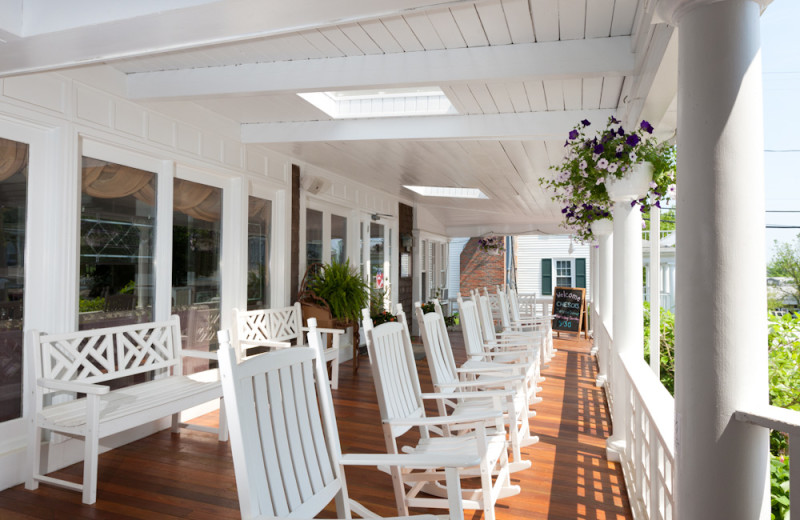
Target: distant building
(782,289)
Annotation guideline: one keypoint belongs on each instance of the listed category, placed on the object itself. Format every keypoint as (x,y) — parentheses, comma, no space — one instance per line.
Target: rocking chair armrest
(488,368)
(477,394)
(429,460)
(265,343)
(446,419)
(496,366)
(487,383)
(326,331)
(73,386)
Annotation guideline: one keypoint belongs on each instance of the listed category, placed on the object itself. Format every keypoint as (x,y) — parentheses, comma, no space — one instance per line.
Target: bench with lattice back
(87,366)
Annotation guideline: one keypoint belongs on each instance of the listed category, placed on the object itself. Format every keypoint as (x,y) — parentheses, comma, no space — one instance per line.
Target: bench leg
(176,423)
(223,421)
(33,454)
(91,450)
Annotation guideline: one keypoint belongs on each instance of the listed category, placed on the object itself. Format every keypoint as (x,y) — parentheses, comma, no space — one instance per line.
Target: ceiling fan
(377,216)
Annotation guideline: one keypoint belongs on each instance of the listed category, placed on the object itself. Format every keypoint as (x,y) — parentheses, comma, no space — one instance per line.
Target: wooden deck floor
(190,475)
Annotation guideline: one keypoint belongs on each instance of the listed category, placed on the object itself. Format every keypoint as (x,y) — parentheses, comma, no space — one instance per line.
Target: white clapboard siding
(530,251)
(454,265)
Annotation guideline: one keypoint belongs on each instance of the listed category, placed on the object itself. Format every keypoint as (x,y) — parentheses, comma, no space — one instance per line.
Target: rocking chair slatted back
(471,328)
(391,354)
(438,350)
(275,415)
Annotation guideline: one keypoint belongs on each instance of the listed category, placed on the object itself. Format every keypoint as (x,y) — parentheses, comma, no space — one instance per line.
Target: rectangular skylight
(422,101)
(441,191)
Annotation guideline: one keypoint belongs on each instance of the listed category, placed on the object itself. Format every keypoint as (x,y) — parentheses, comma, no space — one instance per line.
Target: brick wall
(479,269)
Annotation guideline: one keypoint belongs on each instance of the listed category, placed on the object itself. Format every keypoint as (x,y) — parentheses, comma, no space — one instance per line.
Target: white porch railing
(648,462)
(649,459)
(786,421)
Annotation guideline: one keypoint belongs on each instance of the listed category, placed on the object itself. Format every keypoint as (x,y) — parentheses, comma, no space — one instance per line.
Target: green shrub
(784,388)
(94,304)
(667,348)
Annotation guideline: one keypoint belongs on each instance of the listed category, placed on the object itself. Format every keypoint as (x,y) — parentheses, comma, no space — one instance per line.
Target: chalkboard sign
(569,305)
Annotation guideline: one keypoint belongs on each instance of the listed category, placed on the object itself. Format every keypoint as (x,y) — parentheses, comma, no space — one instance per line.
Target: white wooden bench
(280,328)
(87,363)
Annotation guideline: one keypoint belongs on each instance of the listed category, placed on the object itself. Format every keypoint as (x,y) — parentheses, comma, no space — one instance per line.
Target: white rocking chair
(522,354)
(286,453)
(402,408)
(447,379)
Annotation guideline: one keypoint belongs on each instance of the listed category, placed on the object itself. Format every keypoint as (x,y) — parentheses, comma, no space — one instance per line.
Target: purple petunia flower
(647,127)
(585,122)
(564,210)
(632,140)
(620,132)
(614,120)
(598,149)
(573,135)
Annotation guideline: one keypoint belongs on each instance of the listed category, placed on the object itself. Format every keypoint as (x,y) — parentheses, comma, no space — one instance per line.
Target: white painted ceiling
(520,73)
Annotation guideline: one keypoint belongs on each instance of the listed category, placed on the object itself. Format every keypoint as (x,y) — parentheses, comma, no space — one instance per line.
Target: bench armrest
(73,386)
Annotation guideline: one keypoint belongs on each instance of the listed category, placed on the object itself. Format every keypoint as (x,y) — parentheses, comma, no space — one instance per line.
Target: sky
(780,54)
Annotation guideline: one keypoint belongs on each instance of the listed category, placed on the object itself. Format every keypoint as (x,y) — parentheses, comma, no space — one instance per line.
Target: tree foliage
(786,262)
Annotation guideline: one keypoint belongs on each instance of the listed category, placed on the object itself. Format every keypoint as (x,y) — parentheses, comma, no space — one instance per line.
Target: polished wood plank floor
(190,475)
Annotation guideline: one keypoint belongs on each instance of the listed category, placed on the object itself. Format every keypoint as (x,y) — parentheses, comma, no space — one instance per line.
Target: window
(376,256)
(259,234)
(313,237)
(564,273)
(13,207)
(117,243)
(338,239)
(196,281)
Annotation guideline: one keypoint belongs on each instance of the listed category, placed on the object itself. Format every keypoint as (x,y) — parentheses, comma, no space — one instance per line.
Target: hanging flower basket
(593,162)
(633,185)
(492,245)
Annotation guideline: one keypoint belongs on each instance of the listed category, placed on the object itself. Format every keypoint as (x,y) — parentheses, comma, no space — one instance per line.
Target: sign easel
(569,311)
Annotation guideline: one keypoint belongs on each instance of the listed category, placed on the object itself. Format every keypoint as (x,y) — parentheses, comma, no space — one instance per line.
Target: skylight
(441,191)
(352,104)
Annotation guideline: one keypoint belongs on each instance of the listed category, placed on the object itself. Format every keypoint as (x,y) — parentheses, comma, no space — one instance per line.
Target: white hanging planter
(633,185)
(602,227)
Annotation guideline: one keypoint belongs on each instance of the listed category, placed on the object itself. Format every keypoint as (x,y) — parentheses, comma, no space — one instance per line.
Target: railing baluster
(794,474)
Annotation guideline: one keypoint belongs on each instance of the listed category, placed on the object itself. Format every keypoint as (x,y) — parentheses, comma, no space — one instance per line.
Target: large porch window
(13,206)
(259,236)
(117,243)
(196,280)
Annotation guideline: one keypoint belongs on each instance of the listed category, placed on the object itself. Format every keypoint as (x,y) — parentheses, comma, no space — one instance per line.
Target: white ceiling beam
(209,24)
(549,60)
(528,125)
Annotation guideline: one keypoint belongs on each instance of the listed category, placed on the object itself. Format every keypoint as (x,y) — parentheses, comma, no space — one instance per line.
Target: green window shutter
(547,276)
(580,272)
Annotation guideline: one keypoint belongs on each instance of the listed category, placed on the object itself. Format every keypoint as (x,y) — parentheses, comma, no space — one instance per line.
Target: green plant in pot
(342,288)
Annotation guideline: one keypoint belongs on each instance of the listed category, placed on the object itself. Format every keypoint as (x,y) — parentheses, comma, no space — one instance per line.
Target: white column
(721,361)
(655,290)
(628,315)
(603,230)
